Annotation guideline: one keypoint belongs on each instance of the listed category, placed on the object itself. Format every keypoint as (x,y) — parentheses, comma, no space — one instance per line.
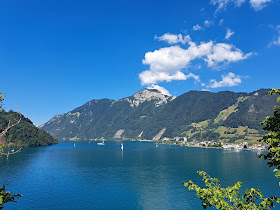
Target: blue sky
(56,55)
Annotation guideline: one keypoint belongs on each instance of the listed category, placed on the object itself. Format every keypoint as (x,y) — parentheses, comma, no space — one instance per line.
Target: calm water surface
(142,176)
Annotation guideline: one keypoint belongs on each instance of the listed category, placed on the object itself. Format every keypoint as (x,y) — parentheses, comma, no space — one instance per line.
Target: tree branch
(4,132)
(7,156)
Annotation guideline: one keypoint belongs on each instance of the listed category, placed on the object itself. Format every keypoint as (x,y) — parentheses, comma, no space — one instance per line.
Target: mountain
(149,114)
(103,118)
(24,133)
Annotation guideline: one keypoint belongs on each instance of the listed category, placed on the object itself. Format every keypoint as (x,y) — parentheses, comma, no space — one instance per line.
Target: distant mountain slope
(25,133)
(253,110)
(149,113)
(193,106)
(103,118)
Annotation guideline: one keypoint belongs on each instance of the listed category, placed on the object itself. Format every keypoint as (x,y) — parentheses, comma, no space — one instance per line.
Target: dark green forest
(25,133)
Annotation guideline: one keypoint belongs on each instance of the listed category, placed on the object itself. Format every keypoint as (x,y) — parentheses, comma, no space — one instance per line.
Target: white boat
(156,145)
(12,150)
(122,146)
(74,145)
(101,143)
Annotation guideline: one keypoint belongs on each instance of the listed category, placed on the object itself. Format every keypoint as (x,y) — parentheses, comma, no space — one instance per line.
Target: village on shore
(211,144)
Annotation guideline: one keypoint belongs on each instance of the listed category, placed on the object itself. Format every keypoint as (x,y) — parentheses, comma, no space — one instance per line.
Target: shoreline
(152,141)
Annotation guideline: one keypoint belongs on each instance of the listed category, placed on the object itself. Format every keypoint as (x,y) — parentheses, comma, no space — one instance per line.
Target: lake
(142,176)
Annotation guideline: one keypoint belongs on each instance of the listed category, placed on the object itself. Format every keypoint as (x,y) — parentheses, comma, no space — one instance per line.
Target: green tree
(2,95)
(229,198)
(272,139)
(6,196)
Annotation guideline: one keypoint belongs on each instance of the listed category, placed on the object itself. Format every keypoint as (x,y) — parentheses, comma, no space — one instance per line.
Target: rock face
(118,134)
(145,114)
(251,108)
(158,136)
(149,95)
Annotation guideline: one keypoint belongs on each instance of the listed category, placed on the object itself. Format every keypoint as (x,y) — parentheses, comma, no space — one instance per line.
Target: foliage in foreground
(272,139)
(25,133)
(229,198)
(6,196)
(2,95)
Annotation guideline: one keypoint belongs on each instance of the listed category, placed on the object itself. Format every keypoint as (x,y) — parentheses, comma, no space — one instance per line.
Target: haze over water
(142,176)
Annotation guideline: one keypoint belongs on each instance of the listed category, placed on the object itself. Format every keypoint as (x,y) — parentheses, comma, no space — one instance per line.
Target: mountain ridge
(147,112)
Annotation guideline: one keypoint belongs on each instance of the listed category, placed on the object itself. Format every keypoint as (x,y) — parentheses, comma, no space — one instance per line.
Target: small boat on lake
(121,146)
(101,143)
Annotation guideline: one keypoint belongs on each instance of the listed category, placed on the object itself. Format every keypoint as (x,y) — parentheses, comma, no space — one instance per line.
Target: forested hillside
(197,115)
(24,133)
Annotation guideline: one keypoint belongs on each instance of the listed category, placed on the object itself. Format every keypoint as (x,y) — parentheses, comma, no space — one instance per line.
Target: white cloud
(170,63)
(221,22)
(222,4)
(161,89)
(150,77)
(168,59)
(208,23)
(195,77)
(228,80)
(203,84)
(255,4)
(223,52)
(173,38)
(198,51)
(197,27)
(229,34)
(276,40)
(259,4)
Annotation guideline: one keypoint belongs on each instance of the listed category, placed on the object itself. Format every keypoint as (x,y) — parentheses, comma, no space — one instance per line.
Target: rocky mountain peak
(148,95)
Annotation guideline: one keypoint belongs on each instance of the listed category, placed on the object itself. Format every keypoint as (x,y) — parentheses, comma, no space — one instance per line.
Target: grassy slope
(227,134)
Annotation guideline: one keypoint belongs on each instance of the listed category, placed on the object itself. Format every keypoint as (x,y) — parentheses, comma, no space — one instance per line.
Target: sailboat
(74,145)
(121,146)
(101,143)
